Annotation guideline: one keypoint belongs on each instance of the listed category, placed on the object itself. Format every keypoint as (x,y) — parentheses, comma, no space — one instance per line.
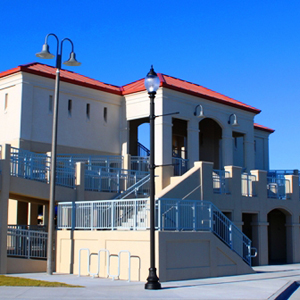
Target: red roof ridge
(261,127)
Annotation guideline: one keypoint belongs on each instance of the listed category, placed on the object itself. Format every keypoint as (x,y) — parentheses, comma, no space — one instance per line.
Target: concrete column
(235,189)
(193,141)
(127,161)
(260,236)
(249,155)
(227,147)
(206,180)
(163,140)
(4,197)
(292,187)
(260,185)
(80,174)
(163,152)
(292,240)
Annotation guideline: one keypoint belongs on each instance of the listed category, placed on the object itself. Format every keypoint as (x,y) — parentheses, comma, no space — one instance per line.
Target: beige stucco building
(211,150)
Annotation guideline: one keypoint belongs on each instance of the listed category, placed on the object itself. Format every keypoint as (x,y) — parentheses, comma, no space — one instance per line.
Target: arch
(277,236)
(134,133)
(210,142)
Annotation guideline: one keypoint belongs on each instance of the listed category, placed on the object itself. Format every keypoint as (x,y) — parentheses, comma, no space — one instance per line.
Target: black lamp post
(70,62)
(152,84)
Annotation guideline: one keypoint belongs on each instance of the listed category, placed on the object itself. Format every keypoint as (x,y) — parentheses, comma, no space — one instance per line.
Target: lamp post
(70,62)
(152,84)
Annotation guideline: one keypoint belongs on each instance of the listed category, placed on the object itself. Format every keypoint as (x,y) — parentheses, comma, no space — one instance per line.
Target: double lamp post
(45,53)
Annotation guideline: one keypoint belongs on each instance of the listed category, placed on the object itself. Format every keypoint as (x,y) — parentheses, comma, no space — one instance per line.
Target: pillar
(193,141)
(249,154)
(227,147)
(4,197)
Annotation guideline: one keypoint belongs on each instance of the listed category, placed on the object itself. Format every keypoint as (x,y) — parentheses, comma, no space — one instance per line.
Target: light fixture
(152,83)
(45,54)
(199,114)
(235,122)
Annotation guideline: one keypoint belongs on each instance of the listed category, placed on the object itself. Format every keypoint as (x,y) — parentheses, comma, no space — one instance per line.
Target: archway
(134,136)
(210,146)
(277,237)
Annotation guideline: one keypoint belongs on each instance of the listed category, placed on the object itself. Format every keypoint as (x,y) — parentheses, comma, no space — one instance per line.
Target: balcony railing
(26,243)
(181,165)
(278,188)
(101,179)
(140,163)
(248,188)
(220,184)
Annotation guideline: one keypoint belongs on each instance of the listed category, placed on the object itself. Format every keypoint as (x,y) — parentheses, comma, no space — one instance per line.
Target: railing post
(159,215)
(112,214)
(135,214)
(177,215)
(194,216)
(29,243)
(92,215)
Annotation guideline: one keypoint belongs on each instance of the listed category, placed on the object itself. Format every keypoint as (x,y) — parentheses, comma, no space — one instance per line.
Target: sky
(247,50)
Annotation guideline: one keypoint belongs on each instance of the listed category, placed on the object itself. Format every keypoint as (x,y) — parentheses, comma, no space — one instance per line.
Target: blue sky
(247,50)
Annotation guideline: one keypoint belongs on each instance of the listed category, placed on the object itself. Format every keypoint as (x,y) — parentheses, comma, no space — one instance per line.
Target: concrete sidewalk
(268,283)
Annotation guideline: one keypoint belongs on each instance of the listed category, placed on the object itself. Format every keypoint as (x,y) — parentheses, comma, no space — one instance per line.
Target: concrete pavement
(269,282)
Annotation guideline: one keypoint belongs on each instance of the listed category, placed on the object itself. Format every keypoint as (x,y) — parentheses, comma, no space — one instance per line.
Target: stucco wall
(179,255)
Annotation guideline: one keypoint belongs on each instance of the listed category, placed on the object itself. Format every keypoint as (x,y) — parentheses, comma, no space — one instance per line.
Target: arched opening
(277,243)
(139,137)
(210,142)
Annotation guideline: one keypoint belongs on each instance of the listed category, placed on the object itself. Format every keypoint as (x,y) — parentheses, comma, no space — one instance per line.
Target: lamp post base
(152,280)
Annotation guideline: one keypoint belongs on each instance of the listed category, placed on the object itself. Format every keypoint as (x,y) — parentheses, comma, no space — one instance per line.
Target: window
(105,114)
(50,108)
(70,107)
(88,110)
(5,102)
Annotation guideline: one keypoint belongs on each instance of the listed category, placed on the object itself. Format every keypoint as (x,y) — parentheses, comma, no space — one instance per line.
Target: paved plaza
(269,282)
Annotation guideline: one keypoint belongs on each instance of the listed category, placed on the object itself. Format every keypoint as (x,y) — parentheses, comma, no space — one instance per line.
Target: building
(212,150)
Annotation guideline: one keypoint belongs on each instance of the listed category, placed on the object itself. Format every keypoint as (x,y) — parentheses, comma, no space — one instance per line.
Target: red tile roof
(260,127)
(134,87)
(189,88)
(65,75)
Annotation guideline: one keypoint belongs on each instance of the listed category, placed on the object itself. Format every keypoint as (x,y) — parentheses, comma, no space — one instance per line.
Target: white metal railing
(220,185)
(108,161)
(104,179)
(36,166)
(140,163)
(248,187)
(29,165)
(278,187)
(103,214)
(180,165)
(26,243)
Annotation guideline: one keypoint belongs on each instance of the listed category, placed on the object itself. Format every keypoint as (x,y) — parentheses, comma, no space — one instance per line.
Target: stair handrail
(133,188)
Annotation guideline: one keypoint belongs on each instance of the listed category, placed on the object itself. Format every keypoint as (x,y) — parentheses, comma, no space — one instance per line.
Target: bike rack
(119,260)
(89,261)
